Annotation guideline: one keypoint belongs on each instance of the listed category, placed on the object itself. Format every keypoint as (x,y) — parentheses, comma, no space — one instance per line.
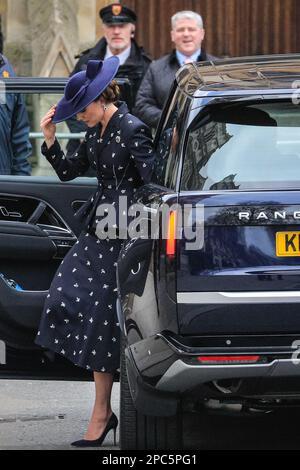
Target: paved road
(46,415)
(50,415)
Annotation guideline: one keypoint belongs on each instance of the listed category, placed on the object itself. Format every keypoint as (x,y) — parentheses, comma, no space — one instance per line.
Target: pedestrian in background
(79,320)
(15,146)
(187,34)
(119,28)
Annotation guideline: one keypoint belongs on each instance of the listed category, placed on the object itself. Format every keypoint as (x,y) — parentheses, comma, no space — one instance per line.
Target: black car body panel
(239,255)
(222,320)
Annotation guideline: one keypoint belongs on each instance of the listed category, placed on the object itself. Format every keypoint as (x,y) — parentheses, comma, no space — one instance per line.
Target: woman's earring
(104,107)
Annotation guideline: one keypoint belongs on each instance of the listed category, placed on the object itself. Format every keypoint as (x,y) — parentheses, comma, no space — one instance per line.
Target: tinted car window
(244,147)
(166,168)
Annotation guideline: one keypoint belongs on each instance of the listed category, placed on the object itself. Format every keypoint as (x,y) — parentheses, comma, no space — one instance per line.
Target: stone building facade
(41,38)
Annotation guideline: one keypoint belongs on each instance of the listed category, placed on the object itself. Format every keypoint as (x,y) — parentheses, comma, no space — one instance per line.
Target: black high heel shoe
(112,424)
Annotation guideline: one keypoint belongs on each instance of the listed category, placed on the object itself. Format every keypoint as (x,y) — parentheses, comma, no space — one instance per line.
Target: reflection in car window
(165,171)
(249,147)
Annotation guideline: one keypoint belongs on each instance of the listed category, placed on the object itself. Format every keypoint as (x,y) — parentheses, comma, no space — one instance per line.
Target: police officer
(15,147)
(119,28)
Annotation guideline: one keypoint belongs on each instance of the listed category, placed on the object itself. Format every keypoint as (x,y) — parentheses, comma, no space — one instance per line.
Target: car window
(21,137)
(244,147)
(165,172)
(37,105)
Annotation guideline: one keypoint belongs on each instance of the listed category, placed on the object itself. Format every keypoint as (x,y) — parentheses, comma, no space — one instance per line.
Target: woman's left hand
(48,127)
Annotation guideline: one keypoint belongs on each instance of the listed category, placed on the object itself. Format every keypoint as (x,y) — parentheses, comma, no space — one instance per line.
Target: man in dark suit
(187,34)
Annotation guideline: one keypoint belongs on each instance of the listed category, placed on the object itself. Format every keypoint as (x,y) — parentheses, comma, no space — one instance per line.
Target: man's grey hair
(186,15)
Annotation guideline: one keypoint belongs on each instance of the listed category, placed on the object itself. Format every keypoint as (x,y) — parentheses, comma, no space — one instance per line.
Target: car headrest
(243,115)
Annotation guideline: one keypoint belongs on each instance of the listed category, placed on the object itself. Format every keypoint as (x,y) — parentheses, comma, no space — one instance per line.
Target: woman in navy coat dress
(79,320)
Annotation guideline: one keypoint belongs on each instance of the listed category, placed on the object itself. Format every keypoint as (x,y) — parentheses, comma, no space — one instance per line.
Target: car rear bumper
(181,376)
(173,370)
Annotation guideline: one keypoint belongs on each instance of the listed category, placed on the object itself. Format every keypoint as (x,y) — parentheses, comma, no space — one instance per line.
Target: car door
(37,229)
(145,275)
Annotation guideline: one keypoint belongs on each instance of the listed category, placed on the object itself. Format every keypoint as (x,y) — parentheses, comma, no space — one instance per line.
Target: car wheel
(138,431)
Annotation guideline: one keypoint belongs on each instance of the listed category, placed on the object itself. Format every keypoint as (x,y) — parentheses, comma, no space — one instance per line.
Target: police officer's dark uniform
(15,147)
(137,63)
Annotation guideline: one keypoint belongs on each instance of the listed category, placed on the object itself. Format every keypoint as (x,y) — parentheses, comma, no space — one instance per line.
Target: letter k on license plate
(288,244)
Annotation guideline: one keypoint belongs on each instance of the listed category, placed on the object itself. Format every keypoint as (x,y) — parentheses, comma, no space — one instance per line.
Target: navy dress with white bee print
(79,319)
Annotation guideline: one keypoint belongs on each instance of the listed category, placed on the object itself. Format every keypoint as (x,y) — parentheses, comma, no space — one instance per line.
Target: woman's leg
(102,407)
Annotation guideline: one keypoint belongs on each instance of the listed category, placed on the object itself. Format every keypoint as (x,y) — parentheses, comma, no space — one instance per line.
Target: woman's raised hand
(48,128)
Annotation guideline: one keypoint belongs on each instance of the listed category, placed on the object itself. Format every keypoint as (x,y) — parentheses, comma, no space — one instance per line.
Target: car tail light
(171,234)
(217,360)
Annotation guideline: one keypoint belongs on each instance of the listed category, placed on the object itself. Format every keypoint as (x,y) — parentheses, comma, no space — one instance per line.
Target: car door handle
(33,219)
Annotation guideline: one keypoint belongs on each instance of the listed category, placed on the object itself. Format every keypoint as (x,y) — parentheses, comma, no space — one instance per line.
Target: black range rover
(217,320)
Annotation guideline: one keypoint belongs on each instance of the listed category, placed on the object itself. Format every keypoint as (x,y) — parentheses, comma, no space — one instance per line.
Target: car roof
(243,75)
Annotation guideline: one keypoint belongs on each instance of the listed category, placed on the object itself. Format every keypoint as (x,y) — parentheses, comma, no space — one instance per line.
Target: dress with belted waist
(79,320)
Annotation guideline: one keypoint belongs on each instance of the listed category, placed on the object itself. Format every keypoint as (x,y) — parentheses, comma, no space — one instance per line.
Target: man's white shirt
(182,59)
(123,56)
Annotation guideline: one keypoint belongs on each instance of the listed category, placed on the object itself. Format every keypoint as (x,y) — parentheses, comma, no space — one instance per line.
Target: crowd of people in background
(146,83)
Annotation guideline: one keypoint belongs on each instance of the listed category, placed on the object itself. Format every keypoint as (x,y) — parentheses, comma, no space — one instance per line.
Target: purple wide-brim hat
(84,87)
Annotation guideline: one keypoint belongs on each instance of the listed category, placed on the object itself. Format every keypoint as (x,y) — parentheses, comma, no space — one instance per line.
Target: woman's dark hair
(111,93)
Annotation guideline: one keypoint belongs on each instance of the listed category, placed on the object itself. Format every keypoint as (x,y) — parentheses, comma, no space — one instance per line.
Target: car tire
(141,432)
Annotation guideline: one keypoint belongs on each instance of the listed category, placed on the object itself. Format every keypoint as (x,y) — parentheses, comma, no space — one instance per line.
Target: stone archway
(31,27)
